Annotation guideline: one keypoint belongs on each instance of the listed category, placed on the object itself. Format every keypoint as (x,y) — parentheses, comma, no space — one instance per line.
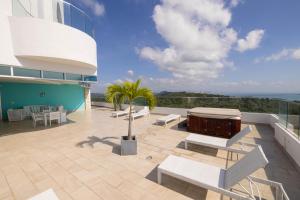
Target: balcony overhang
(43,40)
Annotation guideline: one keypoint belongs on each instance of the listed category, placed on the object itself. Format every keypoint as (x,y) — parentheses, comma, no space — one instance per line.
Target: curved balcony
(55,10)
(47,42)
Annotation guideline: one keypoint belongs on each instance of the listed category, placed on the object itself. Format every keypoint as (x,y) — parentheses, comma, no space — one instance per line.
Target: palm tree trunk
(130,122)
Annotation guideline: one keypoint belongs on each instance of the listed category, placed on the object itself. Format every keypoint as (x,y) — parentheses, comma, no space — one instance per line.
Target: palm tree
(128,92)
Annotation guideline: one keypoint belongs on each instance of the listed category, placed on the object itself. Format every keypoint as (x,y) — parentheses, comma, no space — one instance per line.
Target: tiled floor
(80,160)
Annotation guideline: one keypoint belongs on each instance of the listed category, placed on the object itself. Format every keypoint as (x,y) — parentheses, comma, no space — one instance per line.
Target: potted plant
(128,92)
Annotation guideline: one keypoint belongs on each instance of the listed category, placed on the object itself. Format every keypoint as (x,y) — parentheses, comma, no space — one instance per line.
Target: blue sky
(218,46)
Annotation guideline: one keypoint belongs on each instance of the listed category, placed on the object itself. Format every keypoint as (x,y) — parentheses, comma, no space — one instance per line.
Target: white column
(87,99)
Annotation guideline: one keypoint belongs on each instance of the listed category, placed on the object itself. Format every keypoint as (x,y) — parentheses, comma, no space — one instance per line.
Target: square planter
(128,147)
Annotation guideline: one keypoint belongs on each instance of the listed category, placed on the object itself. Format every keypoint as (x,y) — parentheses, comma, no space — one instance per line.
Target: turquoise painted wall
(17,95)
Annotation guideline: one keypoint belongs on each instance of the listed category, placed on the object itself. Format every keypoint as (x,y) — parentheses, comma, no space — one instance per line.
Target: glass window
(73,77)
(53,75)
(27,72)
(5,70)
(90,78)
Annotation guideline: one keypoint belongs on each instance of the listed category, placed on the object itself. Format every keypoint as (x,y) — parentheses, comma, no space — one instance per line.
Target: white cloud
(119,81)
(296,54)
(251,41)
(97,8)
(130,72)
(234,3)
(284,54)
(198,35)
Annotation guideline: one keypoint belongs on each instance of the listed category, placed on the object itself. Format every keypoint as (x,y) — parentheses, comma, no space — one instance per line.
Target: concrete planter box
(128,147)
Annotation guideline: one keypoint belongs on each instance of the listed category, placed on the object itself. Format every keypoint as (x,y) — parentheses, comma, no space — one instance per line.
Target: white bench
(168,118)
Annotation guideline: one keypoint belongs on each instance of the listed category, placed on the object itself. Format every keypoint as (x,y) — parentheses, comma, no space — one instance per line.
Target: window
(90,78)
(73,77)
(27,72)
(5,70)
(58,13)
(53,75)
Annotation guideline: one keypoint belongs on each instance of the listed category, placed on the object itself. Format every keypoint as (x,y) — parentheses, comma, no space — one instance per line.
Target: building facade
(48,55)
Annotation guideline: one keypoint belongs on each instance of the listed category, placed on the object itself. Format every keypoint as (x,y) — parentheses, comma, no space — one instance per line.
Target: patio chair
(47,195)
(145,111)
(36,117)
(53,116)
(60,108)
(122,112)
(221,180)
(220,143)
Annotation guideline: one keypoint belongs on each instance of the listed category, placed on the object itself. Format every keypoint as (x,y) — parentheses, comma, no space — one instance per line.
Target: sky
(215,46)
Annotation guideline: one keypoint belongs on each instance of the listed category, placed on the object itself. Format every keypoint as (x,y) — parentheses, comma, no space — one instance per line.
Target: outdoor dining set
(39,113)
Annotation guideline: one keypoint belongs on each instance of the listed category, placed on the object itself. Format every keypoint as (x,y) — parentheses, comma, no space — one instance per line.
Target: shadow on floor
(92,140)
(199,149)
(184,188)
(280,167)
(10,128)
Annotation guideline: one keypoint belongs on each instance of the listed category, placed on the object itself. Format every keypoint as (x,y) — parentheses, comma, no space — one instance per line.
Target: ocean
(288,97)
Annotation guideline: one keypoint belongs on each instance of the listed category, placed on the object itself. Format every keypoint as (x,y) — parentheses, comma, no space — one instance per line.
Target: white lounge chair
(168,118)
(47,195)
(145,111)
(217,179)
(219,143)
(122,112)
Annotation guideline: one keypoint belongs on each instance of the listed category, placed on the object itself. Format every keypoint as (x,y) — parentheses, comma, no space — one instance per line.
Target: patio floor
(80,160)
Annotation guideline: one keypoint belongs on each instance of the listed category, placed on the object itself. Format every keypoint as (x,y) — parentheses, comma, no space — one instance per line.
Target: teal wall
(17,95)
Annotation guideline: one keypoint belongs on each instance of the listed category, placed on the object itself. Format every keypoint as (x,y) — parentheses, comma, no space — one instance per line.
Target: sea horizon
(283,96)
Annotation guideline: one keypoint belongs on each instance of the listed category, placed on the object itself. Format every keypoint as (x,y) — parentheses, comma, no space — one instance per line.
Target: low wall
(289,142)
(260,118)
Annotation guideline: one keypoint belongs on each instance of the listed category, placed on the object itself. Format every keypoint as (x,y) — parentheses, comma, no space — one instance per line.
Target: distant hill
(187,94)
(245,104)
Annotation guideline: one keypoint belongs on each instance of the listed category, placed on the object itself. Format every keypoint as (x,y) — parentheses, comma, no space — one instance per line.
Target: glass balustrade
(62,12)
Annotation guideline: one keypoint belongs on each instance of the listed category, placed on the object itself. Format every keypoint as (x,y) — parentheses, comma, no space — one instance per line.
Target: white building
(48,55)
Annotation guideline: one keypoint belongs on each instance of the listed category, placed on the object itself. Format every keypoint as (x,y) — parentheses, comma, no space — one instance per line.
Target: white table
(63,117)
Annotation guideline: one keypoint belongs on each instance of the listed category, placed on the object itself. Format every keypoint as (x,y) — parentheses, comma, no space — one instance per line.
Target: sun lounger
(168,118)
(145,111)
(217,179)
(121,112)
(219,143)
